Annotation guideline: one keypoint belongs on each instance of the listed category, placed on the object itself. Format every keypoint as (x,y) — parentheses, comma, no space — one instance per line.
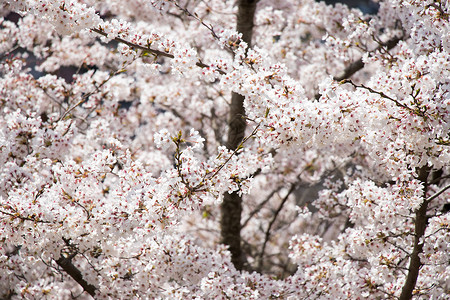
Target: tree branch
(151,50)
(274,218)
(260,206)
(66,264)
(359,64)
(438,193)
(383,95)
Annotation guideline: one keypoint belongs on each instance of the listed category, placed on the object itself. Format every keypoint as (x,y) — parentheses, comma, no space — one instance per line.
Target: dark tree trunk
(420,225)
(232,203)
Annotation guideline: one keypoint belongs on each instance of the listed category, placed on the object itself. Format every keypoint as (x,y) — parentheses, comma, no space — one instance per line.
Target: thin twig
(16,215)
(260,206)
(382,95)
(153,51)
(235,151)
(275,216)
(438,193)
(85,97)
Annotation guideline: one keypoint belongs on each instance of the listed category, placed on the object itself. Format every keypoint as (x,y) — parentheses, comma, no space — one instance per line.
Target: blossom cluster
(113,165)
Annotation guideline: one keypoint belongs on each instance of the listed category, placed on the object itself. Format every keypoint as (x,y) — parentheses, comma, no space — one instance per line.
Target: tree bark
(231,207)
(420,226)
(66,264)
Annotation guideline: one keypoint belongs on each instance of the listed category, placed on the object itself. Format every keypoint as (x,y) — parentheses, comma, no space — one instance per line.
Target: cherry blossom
(116,166)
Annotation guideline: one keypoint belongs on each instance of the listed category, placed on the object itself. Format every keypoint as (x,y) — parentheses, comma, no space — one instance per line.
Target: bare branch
(438,193)
(260,206)
(274,218)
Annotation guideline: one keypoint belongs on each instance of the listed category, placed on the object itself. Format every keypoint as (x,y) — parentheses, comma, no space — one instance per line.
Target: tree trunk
(232,203)
(420,225)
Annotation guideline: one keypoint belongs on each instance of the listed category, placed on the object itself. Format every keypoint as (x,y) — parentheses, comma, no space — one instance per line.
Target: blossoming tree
(224,150)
